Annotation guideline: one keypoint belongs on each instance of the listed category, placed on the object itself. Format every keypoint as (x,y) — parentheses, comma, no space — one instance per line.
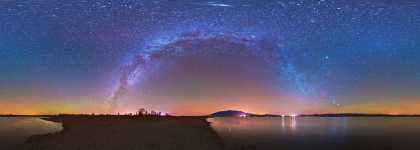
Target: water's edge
(211,128)
(38,137)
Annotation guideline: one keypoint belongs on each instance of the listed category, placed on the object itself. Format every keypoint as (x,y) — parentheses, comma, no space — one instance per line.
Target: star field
(266,56)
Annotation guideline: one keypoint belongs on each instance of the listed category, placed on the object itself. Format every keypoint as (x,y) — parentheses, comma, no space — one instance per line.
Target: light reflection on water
(318,132)
(15,130)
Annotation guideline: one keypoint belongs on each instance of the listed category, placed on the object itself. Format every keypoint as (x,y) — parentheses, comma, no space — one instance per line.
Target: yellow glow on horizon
(207,106)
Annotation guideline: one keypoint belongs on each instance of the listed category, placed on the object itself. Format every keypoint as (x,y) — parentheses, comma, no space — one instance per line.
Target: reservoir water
(15,130)
(323,133)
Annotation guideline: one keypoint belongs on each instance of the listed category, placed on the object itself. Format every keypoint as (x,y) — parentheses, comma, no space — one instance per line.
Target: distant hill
(238,113)
(229,113)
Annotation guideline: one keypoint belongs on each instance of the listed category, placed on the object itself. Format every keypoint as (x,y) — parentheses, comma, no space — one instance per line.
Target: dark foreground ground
(127,133)
(194,133)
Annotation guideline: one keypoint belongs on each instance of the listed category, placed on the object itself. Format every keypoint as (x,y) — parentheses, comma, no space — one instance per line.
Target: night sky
(197,57)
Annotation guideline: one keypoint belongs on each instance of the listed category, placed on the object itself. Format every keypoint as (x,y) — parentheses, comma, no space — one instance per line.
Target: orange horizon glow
(205,108)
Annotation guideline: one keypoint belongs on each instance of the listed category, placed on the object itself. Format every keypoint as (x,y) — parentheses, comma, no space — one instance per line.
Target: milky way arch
(193,44)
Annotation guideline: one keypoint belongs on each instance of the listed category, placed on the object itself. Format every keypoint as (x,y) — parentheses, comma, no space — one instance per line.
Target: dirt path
(128,133)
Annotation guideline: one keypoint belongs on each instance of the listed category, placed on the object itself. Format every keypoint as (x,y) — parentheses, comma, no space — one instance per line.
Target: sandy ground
(127,133)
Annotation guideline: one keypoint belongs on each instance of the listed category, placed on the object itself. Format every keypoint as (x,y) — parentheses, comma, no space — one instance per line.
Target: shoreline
(39,137)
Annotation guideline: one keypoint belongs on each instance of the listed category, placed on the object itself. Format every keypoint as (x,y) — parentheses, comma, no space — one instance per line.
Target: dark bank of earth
(125,132)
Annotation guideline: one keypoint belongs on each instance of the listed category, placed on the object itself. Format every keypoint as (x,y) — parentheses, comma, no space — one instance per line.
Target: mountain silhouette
(229,113)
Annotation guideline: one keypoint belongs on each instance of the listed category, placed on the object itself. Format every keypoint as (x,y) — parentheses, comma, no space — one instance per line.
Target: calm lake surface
(15,130)
(323,133)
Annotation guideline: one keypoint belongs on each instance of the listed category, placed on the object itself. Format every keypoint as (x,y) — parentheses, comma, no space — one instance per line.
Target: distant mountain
(238,113)
(230,113)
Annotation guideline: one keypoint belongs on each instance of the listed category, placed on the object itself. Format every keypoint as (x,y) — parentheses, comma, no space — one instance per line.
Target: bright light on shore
(294,115)
(290,115)
(243,115)
(163,114)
